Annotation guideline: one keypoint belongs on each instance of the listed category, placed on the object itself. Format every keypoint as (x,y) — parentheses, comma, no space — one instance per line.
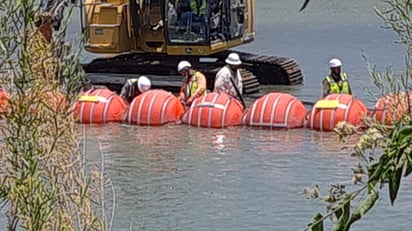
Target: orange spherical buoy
(99,105)
(391,108)
(154,107)
(334,108)
(4,101)
(56,100)
(276,110)
(214,110)
(51,101)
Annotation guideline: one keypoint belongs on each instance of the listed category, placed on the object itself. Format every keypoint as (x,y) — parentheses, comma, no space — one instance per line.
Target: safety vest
(198,7)
(192,86)
(130,90)
(334,87)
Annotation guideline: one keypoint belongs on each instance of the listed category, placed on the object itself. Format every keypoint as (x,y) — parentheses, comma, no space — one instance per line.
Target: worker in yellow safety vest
(193,83)
(336,82)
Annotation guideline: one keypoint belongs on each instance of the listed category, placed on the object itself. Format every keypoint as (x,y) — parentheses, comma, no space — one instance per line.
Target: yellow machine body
(173,27)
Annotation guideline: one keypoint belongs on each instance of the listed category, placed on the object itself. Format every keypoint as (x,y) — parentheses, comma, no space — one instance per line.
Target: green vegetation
(45,184)
(384,152)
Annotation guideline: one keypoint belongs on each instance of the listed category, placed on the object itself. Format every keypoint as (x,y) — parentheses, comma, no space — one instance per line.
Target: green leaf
(408,169)
(373,173)
(404,131)
(392,150)
(394,183)
(363,207)
(342,212)
(377,170)
(317,224)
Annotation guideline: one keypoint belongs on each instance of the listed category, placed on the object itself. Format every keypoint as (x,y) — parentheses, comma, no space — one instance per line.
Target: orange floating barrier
(4,101)
(154,107)
(391,108)
(334,108)
(55,100)
(277,110)
(99,105)
(51,101)
(214,110)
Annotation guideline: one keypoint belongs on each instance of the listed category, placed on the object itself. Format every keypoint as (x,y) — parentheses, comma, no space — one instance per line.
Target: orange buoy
(277,110)
(334,108)
(214,110)
(55,100)
(391,108)
(51,101)
(4,101)
(154,107)
(99,105)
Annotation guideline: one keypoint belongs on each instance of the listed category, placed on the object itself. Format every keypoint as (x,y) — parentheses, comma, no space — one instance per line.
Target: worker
(134,87)
(336,82)
(171,13)
(193,83)
(228,79)
(196,13)
(215,20)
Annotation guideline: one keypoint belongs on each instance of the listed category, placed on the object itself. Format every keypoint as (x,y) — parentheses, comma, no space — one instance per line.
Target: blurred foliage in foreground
(384,151)
(45,183)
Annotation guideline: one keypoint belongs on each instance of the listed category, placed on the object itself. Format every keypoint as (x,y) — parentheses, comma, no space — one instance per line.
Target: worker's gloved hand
(189,101)
(182,101)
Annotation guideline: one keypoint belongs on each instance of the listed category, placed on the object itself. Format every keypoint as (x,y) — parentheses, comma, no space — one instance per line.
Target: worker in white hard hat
(228,79)
(336,82)
(134,87)
(193,83)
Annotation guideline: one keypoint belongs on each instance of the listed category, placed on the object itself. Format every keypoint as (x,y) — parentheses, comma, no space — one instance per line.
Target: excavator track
(250,82)
(161,69)
(272,70)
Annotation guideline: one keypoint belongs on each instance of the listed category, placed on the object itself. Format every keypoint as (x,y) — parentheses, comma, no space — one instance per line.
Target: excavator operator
(196,13)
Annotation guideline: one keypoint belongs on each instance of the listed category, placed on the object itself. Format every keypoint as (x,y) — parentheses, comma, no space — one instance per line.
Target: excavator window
(204,21)
(190,21)
(234,18)
(187,21)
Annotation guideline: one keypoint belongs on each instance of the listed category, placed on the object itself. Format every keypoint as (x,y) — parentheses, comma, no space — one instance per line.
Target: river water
(177,177)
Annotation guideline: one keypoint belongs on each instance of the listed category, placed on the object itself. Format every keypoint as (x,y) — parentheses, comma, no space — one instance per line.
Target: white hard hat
(144,84)
(182,65)
(335,63)
(233,59)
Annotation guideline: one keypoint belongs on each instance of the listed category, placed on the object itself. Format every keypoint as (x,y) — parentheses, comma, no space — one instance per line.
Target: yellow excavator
(149,37)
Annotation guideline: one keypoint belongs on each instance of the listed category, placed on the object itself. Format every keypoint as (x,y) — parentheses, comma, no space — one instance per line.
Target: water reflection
(236,178)
(218,141)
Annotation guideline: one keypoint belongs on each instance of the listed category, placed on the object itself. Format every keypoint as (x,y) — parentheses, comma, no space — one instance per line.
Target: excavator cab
(150,37)
(173,27)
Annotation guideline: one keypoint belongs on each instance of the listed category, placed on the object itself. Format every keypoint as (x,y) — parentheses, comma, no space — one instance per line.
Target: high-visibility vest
(192,86)
(334,87)
(198,7)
